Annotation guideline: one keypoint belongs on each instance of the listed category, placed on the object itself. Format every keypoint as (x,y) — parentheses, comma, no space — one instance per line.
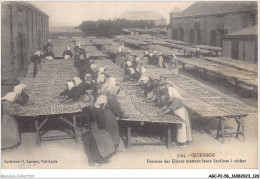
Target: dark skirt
(112,126)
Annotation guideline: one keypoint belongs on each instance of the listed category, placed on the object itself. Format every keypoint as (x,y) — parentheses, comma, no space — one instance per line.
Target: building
(64,32)
(24,30)
(207,23)
(242,45)
(151,17)
(173,14)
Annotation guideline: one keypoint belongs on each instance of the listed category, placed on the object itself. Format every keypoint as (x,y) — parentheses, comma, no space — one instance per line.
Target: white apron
(183,129)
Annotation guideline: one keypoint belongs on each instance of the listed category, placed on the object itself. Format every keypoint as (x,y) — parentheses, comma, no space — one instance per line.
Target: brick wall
(232,22)
(23,20)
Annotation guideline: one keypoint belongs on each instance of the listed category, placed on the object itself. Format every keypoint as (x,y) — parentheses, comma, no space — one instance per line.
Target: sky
(65,13)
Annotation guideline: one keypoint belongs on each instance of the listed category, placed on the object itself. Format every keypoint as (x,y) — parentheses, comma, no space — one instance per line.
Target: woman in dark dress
(67,54)
(36,59)
(48,55)
(98,143)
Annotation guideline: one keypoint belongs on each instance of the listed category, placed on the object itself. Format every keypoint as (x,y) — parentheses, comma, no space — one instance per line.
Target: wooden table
(47,85)
(231,72)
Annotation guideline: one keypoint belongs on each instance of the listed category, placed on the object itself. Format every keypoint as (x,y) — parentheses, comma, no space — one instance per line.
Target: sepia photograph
(129,85)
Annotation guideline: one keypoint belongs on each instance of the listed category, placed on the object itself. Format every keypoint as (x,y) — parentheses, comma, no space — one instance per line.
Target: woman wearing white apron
(173,103)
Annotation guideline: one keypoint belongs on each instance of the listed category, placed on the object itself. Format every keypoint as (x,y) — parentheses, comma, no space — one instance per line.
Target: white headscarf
(151,54)
(129,63)
(132,71)
(143,69)
(100,100)
(111,82)
(137,59)
(79,45)
(93,66)
(68,48)
(101,78)
(174,57)
(87,75)
(119,49)
(144,79)
(77,81)
(49,40)
(101,70)
(123,47)
(114,90)
(10,97)
(70,85)
(19,88)
(146,52)
(173,93)
(38,53)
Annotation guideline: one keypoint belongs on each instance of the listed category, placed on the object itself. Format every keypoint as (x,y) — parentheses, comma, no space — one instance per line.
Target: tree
(109,28)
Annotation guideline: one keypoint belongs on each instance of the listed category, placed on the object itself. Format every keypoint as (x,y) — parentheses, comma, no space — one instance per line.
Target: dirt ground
(68,154)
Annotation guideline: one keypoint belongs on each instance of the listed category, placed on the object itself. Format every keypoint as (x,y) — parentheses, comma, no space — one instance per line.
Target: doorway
(234,49)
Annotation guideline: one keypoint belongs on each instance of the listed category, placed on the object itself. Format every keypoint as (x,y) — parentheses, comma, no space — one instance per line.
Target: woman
(161,61)
(135,62)
(119,55)
(36,60)
(67,54)
(22,97)
(98,143)
(113,110)
(113,104)
(10,131)
(71,93)
(130,73)
(48,55)
(94,71)
(140,72)
(83,64)
(66,92)
(100,82)
(173,103)
(85,103)
(147,85)
(108,85)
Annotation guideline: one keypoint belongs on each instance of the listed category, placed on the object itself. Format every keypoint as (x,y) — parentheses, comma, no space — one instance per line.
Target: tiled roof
(247,31)
(26,4)
(141,15)
(214,7)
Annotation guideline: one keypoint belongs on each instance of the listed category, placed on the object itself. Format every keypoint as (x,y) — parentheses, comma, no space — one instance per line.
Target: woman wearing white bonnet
(111,82)
(67,54)
(173,103)
(22,97)
(77,81)
(98,143)
(113,110)
(10,136)
(100,82)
